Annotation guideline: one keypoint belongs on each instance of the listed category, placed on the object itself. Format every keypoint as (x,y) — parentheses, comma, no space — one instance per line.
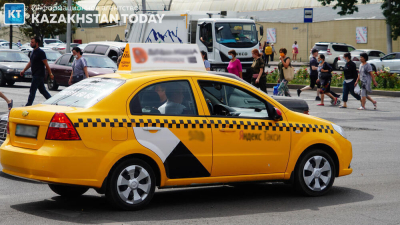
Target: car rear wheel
(315,173)
(10,83)
(2,80)
(68,191)
(335,64)
(131,185)
(373,67)
(52,84)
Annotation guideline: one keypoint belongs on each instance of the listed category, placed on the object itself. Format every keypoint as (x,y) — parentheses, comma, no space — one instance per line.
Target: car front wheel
(68,191)
(52,84)
(315,174)
(131,185)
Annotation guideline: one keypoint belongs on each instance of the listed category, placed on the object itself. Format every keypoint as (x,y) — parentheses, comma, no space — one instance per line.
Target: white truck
(212,33)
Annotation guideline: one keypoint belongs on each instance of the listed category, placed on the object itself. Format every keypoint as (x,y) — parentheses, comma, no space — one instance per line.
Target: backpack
(268,50)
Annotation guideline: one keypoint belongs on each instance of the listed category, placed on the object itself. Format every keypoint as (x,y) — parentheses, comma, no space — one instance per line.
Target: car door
(245,140)
(166,118)
(64,70)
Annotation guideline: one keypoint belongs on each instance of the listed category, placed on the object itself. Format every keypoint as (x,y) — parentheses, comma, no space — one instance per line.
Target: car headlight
(11,70)
(339,129)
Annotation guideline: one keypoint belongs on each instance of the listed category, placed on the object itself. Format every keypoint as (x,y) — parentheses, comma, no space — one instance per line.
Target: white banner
(271,35)
(361,35)
(141,57)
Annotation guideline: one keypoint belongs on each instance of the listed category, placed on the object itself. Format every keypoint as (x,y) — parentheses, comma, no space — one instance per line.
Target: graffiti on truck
(158,37)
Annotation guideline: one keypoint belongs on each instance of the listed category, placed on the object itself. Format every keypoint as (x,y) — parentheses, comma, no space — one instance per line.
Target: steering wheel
(223,110)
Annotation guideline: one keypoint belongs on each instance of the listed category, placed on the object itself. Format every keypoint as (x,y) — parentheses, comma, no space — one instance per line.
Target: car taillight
(329,52)
(61,128)
(339,58)
(355,59)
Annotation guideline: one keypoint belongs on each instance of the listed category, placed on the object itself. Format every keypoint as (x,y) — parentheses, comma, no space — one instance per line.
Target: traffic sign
(14,13)
(308,15)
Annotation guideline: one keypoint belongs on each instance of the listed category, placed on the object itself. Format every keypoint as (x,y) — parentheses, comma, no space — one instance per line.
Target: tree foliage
(42,7)
(348,7)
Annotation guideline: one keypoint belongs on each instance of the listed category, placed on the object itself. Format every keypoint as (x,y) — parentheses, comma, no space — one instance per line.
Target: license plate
(244,70)
(26,131)
(28,76)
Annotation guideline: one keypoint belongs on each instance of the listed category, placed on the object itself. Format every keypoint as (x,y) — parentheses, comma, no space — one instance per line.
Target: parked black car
(12,62)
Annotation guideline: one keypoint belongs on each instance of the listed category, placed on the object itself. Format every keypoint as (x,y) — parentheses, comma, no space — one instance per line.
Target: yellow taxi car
(125,134)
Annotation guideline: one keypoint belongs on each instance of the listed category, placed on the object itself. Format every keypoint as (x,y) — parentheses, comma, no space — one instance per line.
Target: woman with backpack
(324,78)
(283,89)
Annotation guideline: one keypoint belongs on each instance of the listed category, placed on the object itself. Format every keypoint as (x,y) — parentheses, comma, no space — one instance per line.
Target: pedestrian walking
(283,89)
(259,78)
(79,67)
(235,66)
(295,51)
(366,75)
(350,77)
(10,102)
(273,52)
(268,53)
(324,78)
(19,43)
(38,64)
(313,75)
(205,60)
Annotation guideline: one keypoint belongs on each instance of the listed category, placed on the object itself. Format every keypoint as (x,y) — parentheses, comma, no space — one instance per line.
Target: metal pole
(389,31)
(307,44)
(144,6)
(11,34)
(69,12)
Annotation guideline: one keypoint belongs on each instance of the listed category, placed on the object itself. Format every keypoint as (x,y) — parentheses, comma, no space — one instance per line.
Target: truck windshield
(238,35)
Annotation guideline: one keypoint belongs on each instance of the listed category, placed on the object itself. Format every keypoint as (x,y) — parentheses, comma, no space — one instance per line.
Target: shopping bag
(357,89)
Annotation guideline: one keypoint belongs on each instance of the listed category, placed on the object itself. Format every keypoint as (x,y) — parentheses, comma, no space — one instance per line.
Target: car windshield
(13,57)
(85,93)
(52,56)
(99,62)
(236,34)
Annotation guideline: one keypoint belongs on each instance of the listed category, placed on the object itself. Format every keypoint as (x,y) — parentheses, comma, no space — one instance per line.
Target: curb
(340,90)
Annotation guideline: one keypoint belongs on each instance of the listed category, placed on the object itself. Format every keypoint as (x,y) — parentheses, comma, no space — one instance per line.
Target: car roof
(91,54)
(9,50)
(110,43)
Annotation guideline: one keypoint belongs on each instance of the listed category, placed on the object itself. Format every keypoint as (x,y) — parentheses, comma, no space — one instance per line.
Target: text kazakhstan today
(90,18)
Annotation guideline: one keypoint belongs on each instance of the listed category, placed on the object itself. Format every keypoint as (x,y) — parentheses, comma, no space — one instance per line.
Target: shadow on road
(193,203)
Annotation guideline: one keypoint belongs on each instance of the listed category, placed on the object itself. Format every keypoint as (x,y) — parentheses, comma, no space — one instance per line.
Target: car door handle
(151,128)
(227,130)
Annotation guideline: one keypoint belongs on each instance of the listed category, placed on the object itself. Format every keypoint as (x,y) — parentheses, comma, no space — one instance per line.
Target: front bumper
(14,76)
(67,162)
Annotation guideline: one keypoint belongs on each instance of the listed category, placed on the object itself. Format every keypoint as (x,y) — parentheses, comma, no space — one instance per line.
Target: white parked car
(6,45)
(47,41)
(332,51)
(391,60)
(61,48)
(355,56)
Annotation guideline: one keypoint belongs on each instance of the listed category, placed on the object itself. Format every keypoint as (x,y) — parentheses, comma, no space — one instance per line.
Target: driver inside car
(175,96)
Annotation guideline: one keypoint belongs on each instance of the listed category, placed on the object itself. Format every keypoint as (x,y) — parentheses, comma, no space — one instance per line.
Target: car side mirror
(275,114)
(381,59)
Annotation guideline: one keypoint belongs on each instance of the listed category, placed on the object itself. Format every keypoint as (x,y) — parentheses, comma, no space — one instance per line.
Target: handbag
(288,73)
(326,75)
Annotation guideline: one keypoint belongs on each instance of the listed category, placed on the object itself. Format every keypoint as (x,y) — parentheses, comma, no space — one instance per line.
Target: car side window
(381,54)
(166,98)
(101,49)
(71,60)
(389,57)
(228,100)
(113,55)
(350,49)
(65,60)
(89,48)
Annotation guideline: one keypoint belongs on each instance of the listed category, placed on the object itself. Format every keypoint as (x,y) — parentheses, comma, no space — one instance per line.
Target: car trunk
(28,126)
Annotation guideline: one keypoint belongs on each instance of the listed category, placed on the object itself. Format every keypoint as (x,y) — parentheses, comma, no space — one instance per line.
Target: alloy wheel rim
(317,173)
(133,184)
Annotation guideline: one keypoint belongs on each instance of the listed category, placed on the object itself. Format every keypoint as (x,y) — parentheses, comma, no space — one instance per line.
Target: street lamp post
(69,11)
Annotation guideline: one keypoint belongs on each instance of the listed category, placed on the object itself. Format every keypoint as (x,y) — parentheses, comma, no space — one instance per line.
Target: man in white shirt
(173,106)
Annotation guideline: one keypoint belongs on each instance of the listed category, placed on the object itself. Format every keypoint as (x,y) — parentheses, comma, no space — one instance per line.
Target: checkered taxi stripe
(186,124)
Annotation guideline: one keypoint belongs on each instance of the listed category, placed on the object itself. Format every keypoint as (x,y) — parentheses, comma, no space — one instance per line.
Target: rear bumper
(68,162)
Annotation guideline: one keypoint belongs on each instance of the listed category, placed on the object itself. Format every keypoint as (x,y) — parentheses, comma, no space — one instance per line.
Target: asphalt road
(371,195)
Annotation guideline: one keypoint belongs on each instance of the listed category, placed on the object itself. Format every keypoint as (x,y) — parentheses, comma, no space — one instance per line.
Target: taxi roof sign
(142,57)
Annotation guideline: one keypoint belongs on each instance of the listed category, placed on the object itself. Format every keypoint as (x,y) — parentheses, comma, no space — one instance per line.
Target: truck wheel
(315,173)
(2,80)
(68,191)
(131,185)
(52,84)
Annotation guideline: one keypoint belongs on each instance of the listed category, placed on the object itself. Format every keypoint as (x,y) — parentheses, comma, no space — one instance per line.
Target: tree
(392,16)
(41,8)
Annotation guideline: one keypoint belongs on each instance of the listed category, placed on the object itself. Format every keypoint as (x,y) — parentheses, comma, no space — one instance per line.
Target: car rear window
(321,47)
(86,93)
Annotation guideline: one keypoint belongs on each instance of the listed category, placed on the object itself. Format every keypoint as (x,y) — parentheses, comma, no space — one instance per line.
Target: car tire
(312,179)
(2,80)
(10,83)
(335,64)
(373,67)
(131,185)
(52,84)
(68,191)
